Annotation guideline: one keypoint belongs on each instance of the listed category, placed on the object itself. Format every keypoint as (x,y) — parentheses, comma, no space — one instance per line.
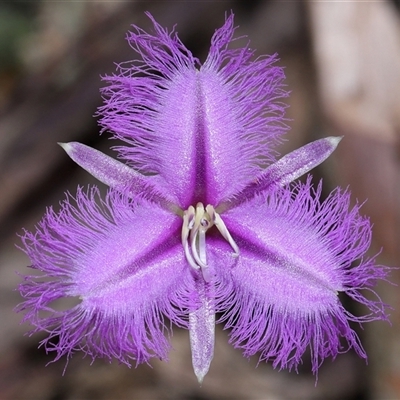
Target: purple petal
(295,255)
(118,175)
(216,123)
(123,264)
(285,170)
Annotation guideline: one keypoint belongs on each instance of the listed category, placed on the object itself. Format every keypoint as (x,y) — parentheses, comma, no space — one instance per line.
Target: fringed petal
(296,254)
(216,123)
(124,266)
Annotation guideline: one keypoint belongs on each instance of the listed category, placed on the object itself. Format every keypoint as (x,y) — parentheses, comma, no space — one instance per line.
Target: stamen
(220,224)
(196,223)
(188,221)
(202,255)
(200,226)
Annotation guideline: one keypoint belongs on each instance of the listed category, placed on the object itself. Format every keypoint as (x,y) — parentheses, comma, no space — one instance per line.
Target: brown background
(342,63)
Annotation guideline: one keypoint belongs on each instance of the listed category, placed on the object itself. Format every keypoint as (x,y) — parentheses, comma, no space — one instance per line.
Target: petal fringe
(217,121)
(123,265)
(279,297)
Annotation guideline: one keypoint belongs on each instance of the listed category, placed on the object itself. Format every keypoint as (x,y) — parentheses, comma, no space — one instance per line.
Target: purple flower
(200,220)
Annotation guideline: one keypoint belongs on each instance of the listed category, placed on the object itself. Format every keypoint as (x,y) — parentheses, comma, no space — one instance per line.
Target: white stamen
(188,221)
(201,224)
(195,225)
(202,247)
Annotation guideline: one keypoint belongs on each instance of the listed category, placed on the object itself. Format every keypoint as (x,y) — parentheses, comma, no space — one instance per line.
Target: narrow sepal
(285,170)
(202,328)
(117,175)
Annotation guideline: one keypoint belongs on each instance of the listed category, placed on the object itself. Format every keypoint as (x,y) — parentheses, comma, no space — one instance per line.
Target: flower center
(196,222)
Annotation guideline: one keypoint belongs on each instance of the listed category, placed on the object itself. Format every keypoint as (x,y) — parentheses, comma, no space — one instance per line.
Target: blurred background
(342,63)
